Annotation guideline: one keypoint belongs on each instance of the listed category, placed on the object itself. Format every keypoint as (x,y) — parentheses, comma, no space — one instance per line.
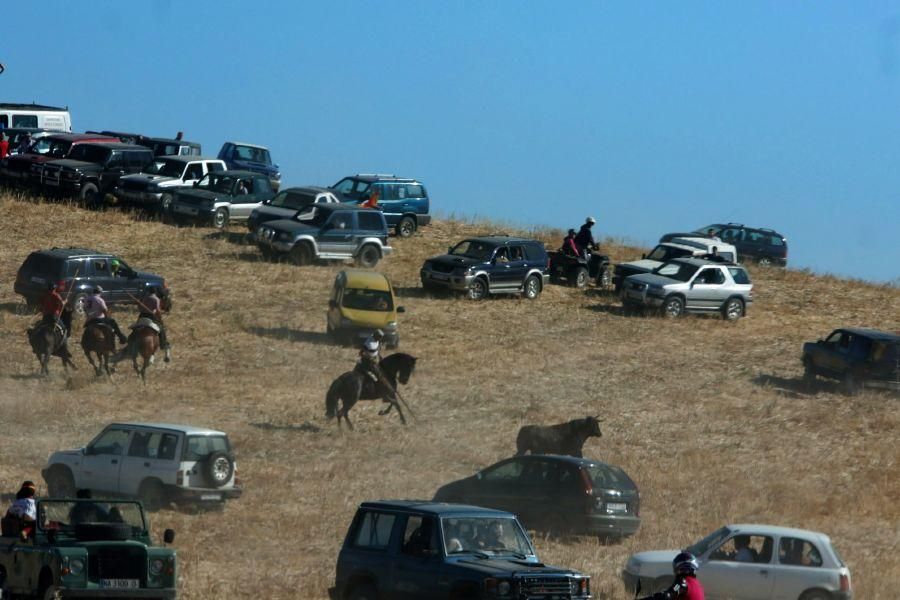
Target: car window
(112,441)
(414,191)
(116,160)
(739,275)
(137,160)
(611,477)
(420,536)
(260,155)
(292,200)
(540,472)
(363,299)
(388,191)
(744,548)
(678,271)
(194,171)
(351,187)
(710,276)
(215,167)
(731,235)
(776,240)
(100,267)
(371,221)
(261,185)
(844,343)
(506,472)
(151,444)
(885,352)
(535,252)
(516,253)
(798,552)
(341,220)
(374,531)
(29,121)
(664,253)
(199,447)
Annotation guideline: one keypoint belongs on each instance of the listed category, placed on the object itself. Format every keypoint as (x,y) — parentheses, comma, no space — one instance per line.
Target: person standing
(4,145)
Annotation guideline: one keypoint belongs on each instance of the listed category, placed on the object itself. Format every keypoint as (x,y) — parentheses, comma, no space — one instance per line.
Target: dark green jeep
(85,549)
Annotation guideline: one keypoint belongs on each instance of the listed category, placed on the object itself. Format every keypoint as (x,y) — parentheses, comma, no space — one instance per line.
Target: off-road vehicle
(336,232)
(765,246)
(288,202)
(489,265)
(155,186)
(92,170)
(86,549)
(435,551)
(691,285)
(675,248)
(856,357)
(221,197)
(577,271)
(251,157)
(153,462)
(26,169)
(403,201)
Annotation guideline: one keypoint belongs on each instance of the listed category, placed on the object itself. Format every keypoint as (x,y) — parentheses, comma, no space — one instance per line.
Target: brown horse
(100,340)
(144,342)
(47,340)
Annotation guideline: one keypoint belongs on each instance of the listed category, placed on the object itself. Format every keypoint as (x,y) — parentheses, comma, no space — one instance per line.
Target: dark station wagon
(857,357)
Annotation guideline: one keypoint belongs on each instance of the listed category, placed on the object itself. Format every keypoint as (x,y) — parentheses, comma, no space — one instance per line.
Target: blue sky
(650,116)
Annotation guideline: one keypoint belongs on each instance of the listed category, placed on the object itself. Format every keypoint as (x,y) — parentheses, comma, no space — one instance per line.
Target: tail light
(584,587)
(237,480)
(588,491)
(845,582)
(179,478)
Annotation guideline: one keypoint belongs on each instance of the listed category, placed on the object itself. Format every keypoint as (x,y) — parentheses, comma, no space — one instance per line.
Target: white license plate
(127,584)
(616,507)
(211,496)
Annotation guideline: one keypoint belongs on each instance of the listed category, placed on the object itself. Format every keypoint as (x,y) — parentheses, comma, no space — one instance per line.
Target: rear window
(292,200)
(199,447)
(535,251)
(362,299)
(371,221)
(739,275)
(374,531)
(41,264)
(610,477)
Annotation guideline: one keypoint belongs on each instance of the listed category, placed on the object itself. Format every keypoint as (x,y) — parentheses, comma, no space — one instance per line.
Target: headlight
(76,566)
(284,237)
(503,588)
(391,325)
(156,566)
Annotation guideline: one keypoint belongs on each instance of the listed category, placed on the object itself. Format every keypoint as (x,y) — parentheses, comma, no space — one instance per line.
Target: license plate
(616,507)
(211,496)
(126,584)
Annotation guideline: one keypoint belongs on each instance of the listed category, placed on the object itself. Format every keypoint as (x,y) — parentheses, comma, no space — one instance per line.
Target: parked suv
(289,202)
(691,285)
(87,549)
(360,303)
(250,157)
(560,494)
(172,147)
(156,463)
(432,551)
(775,563)
(490,265)
(404,201)
(675,248)
(220,197)
(155,186)
(765,246)
(336,232)
(26,169)
(858,358)
(93,170)
(77,270)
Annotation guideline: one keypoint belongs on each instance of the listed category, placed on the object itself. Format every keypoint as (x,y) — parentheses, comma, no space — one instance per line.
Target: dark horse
(47,340)
(99,339)
(352,386)
(143,342)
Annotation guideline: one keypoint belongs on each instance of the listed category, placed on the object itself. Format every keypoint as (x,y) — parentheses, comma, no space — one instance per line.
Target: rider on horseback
(370,356)
(96,312)
(52,307)
(151,308)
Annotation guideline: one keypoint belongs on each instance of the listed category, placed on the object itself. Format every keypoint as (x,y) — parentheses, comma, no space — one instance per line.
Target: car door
(727,575)
(192,173)
(834,352)
(798,567)
(130,287)
(100,274)
(389,200)
(706,290)
(151,454)
(497,486)
(334,301)
(243,204)
(370,547)
(337,234)
(102,460)
(534,499)
(419,559)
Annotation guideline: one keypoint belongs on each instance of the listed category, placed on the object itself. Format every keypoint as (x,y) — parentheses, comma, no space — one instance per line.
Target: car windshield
(473,249)
(63,516)
(714,229)
(166,168)
(677,270)
(293,200)
(486,536)
(710,541)
(352,188)
(199,447)
(251,153)
(315,218)
(360,299)
(664,253)
(217,182)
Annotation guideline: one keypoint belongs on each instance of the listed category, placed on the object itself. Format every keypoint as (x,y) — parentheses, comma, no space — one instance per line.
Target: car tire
(851,383)
(50,592)
(363,592)
(673,307)
(90,195)
(368,256)
(152,495)
(300,255)
(478,289)
(406,227)
(532,287)
(809,375)
(60,482)
(580,278)
(165,204)
(733,309)
(604,278)
(220,218)
(815,595)
(218,468)
(764,261)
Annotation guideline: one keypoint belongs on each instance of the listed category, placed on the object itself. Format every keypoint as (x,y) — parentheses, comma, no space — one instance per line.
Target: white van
(35,116)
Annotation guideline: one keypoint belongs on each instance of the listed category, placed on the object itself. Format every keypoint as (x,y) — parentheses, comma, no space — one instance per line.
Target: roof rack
(375,175)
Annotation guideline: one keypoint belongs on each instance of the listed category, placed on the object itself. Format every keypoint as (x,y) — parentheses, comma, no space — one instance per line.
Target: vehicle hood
(60,455)
(654,563)
(654,279)
(644,265)
(68,163)
(369,318)
(148,276)
(145,179)
(198,195)
(508,566)
(456,261)
(291,226)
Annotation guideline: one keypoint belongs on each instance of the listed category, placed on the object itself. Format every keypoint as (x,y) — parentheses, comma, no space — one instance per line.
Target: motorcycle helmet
(590,221)
(685,564)
(370,347)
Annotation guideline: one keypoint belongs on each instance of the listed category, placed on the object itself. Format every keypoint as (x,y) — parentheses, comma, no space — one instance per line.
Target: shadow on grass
(232,237)
(614,309)
(419,292)
(291,335)
(16,308)
(793,387)
(305,427)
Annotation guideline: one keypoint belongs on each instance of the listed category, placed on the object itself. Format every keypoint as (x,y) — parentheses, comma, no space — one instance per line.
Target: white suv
(679,247)
(156,463)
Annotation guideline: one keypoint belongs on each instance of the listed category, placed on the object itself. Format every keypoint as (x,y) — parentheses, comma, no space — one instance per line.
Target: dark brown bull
(565,438)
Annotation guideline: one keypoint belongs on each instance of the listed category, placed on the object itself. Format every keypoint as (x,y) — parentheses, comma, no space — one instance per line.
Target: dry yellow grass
(705,415)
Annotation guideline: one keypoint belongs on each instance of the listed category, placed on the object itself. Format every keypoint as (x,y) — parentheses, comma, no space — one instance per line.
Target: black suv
(559,494)
(77,270)
(432,551)
(92,170)
(765,246)
(403,201)
(857,357)
(490,265)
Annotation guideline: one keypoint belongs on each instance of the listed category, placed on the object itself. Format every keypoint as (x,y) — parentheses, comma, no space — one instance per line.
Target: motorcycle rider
(686,586)
(585,239)
(95,311)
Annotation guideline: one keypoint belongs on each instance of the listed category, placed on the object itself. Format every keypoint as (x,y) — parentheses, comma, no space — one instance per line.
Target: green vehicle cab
(86,549)
(361,302)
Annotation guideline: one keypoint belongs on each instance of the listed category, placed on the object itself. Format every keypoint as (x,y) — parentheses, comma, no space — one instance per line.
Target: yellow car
(361,302)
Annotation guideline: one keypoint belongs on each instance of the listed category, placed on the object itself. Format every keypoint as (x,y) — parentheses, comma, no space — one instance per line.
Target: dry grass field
(708,417)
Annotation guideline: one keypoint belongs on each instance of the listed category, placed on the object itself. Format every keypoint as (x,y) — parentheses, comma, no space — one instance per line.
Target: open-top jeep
(85,549)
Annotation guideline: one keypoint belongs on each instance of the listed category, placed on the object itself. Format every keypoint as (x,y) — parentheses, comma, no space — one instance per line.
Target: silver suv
(679,247)
(156,463)
(691,285)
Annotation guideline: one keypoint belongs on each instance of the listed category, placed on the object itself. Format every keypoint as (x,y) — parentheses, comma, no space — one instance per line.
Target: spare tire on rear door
(218,467)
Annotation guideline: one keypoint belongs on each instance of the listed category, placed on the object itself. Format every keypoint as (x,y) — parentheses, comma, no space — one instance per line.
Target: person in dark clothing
(87,512)
(585,238)
(569,248)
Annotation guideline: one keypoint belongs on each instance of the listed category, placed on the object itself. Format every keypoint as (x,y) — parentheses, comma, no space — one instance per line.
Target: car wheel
(406,227)
(532,287)
(580,277)
(218,469)
(363,592)
(60,483)
(51,592)
(153,496)
(165,204)
(673,307)
(368,256)
(733,310)
(604,279)
(851,383)
(764,261)
(90,195)
(220,218)
(816,595)
(809,375)
(300,255)
(478,289)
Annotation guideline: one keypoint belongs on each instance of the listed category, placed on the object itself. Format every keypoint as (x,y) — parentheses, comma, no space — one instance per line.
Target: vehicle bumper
(882,384)
(613,525)
(423,219)
(166,593)
(201,495)
(63,186)
(274,245)
(386,250)
(139,197)
(193,213)
(642,298)
(452,281)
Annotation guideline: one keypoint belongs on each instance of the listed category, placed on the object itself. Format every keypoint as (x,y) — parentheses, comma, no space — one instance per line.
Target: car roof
(700,243)
(22,106)
(774,530)
(186,429)
(372,177)
(372,280)
(173,141)
(438,509)
(190,158)
(246,144)
(119,146)
(309,189)
(875,334)
(71,252)
(499,240)
(79,137)
(236,173)
(702,262)
(574,460)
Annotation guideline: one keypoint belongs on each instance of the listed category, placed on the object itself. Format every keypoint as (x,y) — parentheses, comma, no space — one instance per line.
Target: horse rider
(52,306)
(95,311)
(151,308)
(569,248)
(686,585)
(370,357)
(585,239)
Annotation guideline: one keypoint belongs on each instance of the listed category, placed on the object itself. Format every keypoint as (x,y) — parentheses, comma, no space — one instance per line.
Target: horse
(47,340)
(353,386)
(143,342)
(99,339)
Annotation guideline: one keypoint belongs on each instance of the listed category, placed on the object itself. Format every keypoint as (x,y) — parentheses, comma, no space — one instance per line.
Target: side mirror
(196,184)
(449,249)
(88,451)
(332,304)
(400,309)
(478,475)
(169,536)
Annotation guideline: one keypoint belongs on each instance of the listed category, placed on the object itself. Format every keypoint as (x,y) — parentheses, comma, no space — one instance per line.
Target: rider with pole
(95,311)
(151,308)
